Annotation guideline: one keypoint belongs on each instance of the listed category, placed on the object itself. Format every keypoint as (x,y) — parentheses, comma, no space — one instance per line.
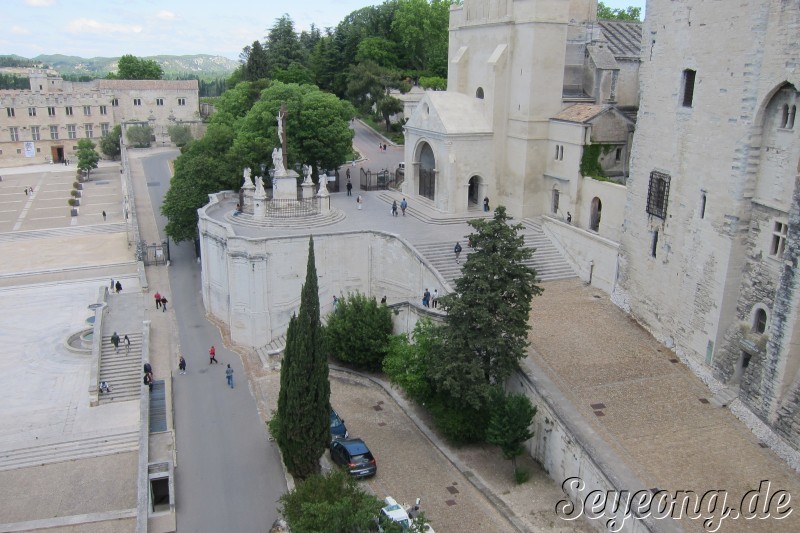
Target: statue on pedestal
(248,181)
(277,161)
(260,192)
(323,185)
(307,174)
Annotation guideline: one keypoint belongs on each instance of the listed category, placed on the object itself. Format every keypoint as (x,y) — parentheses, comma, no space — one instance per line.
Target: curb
(471,476)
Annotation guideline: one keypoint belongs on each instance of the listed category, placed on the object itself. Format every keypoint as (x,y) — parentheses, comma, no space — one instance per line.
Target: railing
(376,180)
(304,207)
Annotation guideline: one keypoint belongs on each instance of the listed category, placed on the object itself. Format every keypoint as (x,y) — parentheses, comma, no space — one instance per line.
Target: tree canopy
(109,143)
(358,331)
(608,13)
(88,157)
(131,67)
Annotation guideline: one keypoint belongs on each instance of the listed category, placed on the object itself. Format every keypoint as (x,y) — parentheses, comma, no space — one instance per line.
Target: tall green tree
(358,331)
(87,156)
(257,65)
(630,13)
(304,399)
(388,106)
(130,67)
(510,424)
(109,143)
(422,29)
(487,315)
(139,136)
(283,45)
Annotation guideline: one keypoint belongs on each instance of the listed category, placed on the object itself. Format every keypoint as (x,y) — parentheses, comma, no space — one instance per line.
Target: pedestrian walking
(229,376)
(486,203)
(127,342)
(182,365)
(118,286)
(115,342)
(394,208)
(349,185)
(384,147)
(148,369)
(457,250)
(335,303)
(148,380)
(426,298)
(403,205)
(359,201)
(26,191)
(435,298)
(212,356)
(163,305)
(383,300)
(104,216)
(157,296)
(112,285)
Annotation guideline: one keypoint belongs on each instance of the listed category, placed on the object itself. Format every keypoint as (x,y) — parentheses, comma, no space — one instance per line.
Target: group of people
(382,147)
(161,301)
(28,190)
(430,300)
(115,286)
(115,340)
(403,206)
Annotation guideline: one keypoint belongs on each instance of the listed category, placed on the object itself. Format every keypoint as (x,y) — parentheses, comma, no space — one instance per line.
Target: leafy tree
(407,364)
(368,83)
(330,502)
(283,46)
(487,315)
(180,134)
(509,425)
(296,73)
(257,65)
(139,136)
(379,50)
(304,398)
(130,67)
(433,82)
(422,29)
(608,13)
(109,143)
(358,331)
(388,106)
(87,156)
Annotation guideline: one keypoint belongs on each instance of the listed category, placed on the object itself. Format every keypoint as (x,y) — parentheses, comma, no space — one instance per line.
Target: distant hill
(201,65)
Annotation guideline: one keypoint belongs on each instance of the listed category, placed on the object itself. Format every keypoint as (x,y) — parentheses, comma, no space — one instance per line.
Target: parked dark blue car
(354,455)
(338,429)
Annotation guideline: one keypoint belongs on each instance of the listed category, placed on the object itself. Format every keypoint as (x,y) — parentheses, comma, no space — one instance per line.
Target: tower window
(479,93)
(658,194)
(688,87)
(779,232)
(618,156)
(654,244)
(759,321)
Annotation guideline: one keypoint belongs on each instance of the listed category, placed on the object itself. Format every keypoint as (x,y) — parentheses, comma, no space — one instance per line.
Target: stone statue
(323,185)
(260,192)
(248,181)
(277,161)
(307,173)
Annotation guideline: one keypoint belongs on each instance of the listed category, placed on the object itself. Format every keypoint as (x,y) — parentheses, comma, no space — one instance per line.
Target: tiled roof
(624,38)
(143,85)
(580,112)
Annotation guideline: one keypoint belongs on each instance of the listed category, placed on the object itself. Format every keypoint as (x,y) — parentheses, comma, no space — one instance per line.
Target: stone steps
(123,372)
(724,397)
(311,221)
(429,216)
(69,450)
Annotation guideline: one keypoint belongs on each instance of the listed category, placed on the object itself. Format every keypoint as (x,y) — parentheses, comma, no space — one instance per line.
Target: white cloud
(93,26)
(166,15)
(19,30)
(40,3)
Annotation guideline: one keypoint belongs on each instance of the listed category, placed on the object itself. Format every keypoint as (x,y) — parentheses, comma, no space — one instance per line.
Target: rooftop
(624,38)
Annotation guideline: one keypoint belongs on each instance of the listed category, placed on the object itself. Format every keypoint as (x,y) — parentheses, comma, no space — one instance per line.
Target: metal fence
(377,180)
(303,207)
(153,254)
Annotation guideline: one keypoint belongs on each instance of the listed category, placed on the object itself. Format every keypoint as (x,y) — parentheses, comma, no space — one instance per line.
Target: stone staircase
(724,397)
(58,452)
(122,371)
(429,216)
(547,260)
(272,353)
(311,221)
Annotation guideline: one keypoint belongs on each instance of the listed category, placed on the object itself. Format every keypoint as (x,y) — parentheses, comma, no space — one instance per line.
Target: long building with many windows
(44,124)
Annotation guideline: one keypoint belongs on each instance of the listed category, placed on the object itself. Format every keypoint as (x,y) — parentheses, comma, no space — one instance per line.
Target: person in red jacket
(158,299)
(212,356)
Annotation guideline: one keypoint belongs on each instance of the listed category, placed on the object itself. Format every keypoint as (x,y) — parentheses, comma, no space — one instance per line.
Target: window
(479,93)
(104,129)
(14,133)
(68,111)
(159,101)
(559,152)
(778,240)
(114,102)
(181,101)
(71,133)
(688,87)
(103,110)
(618,155)
(51,111)
(703,205)
(654,244)
(35,133)
(54,132)
(10,111)
(137,101)
(759,320)
(87,110)
(31,111)
(658,194)
(555,200)
(790,118)
(88,129)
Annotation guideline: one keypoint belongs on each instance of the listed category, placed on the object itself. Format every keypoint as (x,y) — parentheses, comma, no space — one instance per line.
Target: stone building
(45,123)
(530,85)
(711,237)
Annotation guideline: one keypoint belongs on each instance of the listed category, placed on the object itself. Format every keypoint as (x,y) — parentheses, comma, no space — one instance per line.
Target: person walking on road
(435,298)
(394,208)
(182,365)
(426,298)
(349,185)
(457,251)
(229,375)
(118,286)
(403,206)
(115,342)
(127,342)
(104,216)
(163,304)
(212,356)
(359,201)
(157,296)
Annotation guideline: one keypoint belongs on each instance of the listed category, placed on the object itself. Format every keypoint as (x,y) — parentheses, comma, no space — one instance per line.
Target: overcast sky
(111,28)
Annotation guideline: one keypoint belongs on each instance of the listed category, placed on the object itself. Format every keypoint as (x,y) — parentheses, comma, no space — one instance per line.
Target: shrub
(71,202)
(460,424)
(75,184)
(73,192)
(521,475)
(358,332)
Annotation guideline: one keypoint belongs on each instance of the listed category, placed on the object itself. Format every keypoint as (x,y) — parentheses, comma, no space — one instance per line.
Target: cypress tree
(304,398)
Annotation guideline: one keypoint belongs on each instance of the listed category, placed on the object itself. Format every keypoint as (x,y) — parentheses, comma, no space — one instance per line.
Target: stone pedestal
(308,190)
(284,187)
(324,195)
(259,200)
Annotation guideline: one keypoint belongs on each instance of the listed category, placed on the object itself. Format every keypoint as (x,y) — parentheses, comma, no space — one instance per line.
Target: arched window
(759,320)
(785,118)
(597,209)
(479,93)
(790,120)
(556,195)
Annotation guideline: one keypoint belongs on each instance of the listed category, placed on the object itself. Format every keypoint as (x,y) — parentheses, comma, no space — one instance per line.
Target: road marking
(49,218)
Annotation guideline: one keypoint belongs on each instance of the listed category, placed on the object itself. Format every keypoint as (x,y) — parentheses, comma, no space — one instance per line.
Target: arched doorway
(427,173)
(597,209)
(473,192)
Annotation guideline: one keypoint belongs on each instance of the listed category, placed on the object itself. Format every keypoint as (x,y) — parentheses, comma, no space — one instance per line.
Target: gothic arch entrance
(427,171)
(474,191)
(597,209)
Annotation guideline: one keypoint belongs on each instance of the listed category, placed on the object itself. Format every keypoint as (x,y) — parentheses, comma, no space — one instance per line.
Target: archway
(597,209)
(474,193)
(427,172)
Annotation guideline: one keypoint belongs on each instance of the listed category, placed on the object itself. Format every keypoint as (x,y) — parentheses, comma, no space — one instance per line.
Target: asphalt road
(229,475)
(366,142)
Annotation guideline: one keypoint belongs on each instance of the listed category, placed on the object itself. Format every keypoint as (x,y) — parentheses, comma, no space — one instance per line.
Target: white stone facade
(45,123)
(709,245)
